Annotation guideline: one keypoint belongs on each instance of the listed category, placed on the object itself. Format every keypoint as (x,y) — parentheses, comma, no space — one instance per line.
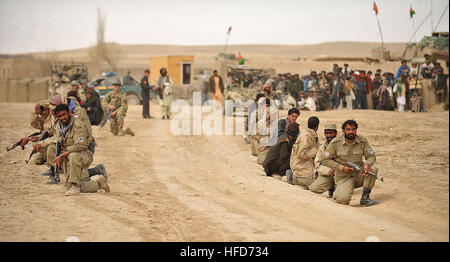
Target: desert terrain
(283,58)
(209,188)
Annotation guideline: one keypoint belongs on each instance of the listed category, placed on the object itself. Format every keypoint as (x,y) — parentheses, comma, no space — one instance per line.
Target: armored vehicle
(63,74)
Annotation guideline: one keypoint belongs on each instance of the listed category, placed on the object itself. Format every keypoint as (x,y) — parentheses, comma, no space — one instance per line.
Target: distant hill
(349,49)
(283,58)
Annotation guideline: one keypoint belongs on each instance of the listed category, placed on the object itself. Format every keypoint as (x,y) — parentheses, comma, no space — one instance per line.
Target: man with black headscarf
(93,105)
(277,160)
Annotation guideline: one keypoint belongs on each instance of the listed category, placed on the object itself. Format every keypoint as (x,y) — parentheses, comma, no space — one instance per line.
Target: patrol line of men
(299,159)
(66,122)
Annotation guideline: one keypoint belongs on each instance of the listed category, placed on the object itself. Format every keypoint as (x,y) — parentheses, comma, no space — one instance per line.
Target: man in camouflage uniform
(325,179)
(115,104)
(303,153)
(76,154)
(351,147)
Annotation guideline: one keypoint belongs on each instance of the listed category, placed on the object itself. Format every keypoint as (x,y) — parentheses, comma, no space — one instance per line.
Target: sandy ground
(209,188)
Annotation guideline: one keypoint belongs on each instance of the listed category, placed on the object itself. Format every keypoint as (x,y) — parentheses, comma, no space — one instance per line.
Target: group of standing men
(164,90)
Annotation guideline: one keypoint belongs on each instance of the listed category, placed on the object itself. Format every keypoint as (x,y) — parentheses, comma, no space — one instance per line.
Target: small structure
(380,53)
(180,68)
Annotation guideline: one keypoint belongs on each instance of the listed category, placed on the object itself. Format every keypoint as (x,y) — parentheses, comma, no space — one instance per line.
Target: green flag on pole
(411,12)
(241,59)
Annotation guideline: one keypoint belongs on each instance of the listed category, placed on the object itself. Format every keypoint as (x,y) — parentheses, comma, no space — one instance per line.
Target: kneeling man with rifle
(351,148)
(76,155)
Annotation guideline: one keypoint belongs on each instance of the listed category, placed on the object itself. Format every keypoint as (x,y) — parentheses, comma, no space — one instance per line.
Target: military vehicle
(436,45)
(238,79)
(63,74)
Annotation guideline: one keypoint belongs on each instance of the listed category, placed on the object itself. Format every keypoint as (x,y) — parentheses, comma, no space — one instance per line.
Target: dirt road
(209,188)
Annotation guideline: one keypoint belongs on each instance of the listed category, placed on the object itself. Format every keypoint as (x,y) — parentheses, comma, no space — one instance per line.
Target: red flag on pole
(375,8)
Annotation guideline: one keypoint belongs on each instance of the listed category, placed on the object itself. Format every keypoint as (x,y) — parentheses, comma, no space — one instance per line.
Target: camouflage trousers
(117,125)
(75,170)
(345,185)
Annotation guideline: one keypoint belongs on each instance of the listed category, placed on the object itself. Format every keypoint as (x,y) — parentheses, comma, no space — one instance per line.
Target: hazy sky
(49,25)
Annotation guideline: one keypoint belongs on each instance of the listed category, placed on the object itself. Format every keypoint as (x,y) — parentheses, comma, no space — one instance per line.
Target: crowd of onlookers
(412,88)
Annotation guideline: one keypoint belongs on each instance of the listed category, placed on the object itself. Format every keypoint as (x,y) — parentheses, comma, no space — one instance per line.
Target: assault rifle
(55,172)
(107,116)
(357,168)
(18,143)
(43,136)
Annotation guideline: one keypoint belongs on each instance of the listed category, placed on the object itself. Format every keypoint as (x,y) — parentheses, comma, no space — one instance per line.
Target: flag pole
(381,34)
(414,29)
(421,24)
(226,44)
(431,12)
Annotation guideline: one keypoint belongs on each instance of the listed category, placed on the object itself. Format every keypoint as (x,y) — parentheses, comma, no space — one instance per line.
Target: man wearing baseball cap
(325,178)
